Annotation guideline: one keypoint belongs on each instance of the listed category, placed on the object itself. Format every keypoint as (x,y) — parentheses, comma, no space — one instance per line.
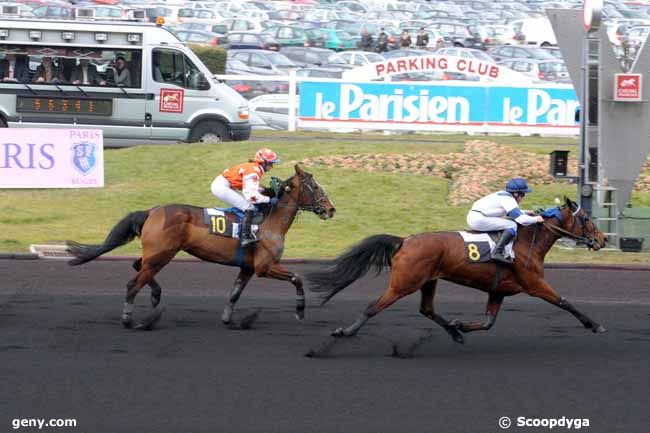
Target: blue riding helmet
(517,185)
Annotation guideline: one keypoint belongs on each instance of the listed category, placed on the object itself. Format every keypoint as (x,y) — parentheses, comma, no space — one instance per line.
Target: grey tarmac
(63,354)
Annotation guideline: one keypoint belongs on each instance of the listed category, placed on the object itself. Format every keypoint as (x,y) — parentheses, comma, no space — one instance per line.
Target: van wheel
(209,132)
(3,124)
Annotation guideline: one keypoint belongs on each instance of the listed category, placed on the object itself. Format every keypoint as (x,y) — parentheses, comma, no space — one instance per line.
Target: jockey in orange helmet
(239,186)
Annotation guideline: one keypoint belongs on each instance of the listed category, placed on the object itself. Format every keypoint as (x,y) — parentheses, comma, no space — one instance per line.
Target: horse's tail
(124,232)
(373,252)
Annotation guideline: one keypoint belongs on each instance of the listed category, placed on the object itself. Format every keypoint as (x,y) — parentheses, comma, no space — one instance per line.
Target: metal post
(292,101)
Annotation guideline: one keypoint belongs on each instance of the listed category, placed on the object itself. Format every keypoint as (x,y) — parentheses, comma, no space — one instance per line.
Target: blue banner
(453,104)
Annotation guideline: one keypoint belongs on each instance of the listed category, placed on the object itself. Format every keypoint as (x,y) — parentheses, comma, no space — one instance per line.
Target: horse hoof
(599,329)
(127,322)
(226,315)
(455,323)
(300,317)
(338,333)
(150,321)
(457,337)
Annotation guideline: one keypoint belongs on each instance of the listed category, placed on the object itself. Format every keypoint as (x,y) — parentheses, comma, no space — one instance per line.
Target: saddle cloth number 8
(478,251)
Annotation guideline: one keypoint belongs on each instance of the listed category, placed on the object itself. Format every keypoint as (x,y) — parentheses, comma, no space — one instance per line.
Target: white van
(169,93)
(537,31)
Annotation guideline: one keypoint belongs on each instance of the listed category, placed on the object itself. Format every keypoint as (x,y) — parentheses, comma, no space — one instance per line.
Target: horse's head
(308,194)
(576,221)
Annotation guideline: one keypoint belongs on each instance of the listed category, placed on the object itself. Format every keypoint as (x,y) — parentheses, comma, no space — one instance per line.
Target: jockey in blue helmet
(489,214)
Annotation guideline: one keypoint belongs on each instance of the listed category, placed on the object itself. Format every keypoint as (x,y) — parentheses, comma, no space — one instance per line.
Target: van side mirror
(202,82)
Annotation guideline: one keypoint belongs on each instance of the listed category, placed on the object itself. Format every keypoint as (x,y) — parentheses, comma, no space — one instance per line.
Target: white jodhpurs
(221,189)
(478,221)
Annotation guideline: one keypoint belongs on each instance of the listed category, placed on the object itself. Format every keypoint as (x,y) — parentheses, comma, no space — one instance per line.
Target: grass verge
(367,203)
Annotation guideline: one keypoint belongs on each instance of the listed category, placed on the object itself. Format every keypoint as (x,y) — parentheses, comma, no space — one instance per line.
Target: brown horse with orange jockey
(417,262)
(166,230)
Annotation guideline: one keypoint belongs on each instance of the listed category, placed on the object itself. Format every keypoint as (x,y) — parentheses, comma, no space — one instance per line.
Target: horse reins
(560,231)
(563,232)
(318,208)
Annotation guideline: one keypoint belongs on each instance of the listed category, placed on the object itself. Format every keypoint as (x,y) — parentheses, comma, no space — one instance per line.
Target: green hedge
(213,58)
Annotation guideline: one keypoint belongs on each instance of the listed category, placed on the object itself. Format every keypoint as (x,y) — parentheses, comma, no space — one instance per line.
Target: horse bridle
(318,203)
(589,241)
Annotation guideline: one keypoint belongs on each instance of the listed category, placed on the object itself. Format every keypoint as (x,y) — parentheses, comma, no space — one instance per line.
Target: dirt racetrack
(63,354)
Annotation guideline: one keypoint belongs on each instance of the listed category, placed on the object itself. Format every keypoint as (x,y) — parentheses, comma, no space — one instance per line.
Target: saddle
(227,222)
(479,245)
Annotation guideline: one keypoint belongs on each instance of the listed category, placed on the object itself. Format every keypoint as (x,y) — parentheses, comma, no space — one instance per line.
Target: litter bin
(559,163)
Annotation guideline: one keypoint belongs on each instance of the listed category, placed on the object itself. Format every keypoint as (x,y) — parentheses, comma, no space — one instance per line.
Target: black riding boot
(497,254)
(247,236)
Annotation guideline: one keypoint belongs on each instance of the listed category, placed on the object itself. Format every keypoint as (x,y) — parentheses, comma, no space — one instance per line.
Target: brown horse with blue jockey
(417,262)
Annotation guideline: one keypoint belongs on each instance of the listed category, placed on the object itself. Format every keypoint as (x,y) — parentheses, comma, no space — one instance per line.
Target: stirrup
(501,259)
(248,241)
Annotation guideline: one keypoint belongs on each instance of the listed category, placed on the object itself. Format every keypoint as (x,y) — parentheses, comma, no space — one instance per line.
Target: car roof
(316,49)
(521,59)
(252,50)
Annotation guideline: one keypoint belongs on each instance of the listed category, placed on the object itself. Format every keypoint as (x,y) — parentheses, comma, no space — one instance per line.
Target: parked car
(320,72)
(542,70)
(212,28)
(258,41)
(234,66)
(358,58)
(459,34)
(197,37)
(264,59)
(285,15)
(204,16)
(58,12)
(105,12)
(242,25)
(554,51)
(308,56)
(339,40)
(270,112)
(315,35)
(503,34)
(506,52)
(288,36)
(405,53)
(468,53)
(252,88)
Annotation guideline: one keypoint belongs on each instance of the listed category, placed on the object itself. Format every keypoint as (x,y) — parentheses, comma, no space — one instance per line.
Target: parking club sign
(627,87)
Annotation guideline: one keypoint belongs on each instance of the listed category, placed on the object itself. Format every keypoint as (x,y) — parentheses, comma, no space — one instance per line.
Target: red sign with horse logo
(627,87)
(171,100)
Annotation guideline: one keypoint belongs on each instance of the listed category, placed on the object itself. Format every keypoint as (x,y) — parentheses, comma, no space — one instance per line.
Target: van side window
(171,66)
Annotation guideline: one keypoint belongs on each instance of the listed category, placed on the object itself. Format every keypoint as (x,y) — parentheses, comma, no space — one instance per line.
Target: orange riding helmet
(266,155)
